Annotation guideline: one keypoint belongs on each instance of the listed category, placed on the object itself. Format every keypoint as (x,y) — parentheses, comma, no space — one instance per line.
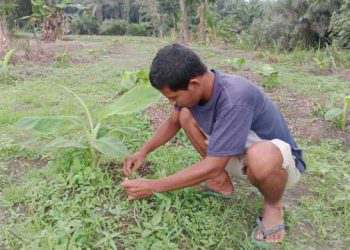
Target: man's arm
(163,134)
(208,168)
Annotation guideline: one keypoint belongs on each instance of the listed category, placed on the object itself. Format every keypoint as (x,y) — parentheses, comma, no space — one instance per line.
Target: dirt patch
(251,76)
(298,111)
(293,195)
(46,53)
(344,74)
(159,113)
(116,170)
(16,168)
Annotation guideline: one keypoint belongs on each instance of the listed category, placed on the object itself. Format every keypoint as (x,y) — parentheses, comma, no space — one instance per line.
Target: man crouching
(238,131)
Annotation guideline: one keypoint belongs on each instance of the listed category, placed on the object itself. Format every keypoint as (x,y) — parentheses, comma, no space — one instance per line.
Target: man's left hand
(138,188)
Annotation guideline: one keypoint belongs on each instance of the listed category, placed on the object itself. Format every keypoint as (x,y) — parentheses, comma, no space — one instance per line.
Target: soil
(40,52)
(17,167)
(344,74)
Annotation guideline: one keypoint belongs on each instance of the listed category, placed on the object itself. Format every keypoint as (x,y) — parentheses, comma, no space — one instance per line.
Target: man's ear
(194,83)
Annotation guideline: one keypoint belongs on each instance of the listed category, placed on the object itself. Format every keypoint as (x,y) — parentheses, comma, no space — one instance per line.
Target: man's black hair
(174,66)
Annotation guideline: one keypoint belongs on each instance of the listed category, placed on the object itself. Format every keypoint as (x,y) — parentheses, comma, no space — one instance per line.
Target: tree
(4,37)
(202,26)
(169,10)
(185,33)
(6,8)
(340,26)
(50,15)
(151,16)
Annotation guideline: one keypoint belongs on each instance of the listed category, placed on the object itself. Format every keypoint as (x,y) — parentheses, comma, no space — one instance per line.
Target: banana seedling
(93,134)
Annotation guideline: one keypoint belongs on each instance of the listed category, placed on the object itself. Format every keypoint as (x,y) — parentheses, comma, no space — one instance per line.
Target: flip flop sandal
(265,232)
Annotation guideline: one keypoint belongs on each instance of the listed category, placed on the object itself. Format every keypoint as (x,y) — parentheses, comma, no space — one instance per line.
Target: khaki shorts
(235,166)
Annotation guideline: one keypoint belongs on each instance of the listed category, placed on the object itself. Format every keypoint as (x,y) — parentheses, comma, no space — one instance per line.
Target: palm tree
(184,22)
(6,8)
(4,37)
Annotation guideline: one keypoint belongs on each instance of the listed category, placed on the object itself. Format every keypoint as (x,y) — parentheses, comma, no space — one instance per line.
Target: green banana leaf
(135,100)
(110,146)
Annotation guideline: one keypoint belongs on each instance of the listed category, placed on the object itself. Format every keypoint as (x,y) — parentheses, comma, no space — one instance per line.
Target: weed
(338,115)
(270,76)
(236,63)
(324,59)
(62,60)
(5,76)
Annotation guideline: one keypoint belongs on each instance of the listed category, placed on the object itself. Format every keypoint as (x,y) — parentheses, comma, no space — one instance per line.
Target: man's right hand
(133,162)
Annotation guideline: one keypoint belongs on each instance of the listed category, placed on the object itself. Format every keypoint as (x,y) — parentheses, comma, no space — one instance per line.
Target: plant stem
(345,110)
(82,103)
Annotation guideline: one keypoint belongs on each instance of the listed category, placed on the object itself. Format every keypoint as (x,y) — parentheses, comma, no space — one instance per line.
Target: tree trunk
(202,20)
(4,36)
(184,22)
(97,12)
(53,27)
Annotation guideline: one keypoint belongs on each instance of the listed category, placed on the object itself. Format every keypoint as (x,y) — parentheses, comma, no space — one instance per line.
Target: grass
(69,205)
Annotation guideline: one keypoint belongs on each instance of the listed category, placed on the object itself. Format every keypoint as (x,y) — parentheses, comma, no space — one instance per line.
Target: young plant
(338,115)
(270,76)
(128,79)
(87,133)
(325,59)
(62,60)
(5,76)
(236,63)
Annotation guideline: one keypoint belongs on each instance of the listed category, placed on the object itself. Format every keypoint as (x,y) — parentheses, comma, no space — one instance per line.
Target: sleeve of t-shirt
(230,132)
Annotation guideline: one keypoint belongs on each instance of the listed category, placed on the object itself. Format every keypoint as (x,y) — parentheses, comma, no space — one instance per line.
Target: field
(56,200)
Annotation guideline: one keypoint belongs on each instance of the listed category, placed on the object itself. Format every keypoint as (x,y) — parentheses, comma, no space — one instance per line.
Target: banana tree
(87,133)
(6,8)
(184,22)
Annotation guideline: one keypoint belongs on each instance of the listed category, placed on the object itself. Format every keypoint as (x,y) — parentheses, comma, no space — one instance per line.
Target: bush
(85,25)
(113,27)
(136,29)
(274,32)
(340,26)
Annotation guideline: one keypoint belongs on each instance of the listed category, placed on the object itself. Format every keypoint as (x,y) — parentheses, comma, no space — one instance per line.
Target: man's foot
(221,184)
(272,222)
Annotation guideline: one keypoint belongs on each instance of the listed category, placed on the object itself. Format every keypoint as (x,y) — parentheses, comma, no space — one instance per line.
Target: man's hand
(133,162)
(138,188)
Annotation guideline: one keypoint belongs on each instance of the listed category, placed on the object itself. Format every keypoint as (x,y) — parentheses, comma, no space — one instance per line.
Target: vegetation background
(75,98)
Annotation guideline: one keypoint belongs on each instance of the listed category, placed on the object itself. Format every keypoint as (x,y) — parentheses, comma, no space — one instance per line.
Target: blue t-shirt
(236,107)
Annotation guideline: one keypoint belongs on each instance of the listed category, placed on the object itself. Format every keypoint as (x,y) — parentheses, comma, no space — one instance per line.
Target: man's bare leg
(222,182)
(264,170)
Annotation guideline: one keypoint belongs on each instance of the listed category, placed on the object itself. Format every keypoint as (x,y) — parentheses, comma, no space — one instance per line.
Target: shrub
(85,25)
(113,27)
(276,31)
(5,76)
(62,60)
(337,115)
(340,26)
(137,29)
(236,63)
(270,76)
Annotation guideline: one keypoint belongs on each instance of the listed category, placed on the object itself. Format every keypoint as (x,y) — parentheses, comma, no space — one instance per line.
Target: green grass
(69,205)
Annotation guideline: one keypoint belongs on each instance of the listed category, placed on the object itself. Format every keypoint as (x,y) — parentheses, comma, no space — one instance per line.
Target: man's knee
(185,117)
(261,160)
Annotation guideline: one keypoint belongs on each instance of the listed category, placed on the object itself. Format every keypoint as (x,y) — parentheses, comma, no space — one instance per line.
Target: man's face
(183,98)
